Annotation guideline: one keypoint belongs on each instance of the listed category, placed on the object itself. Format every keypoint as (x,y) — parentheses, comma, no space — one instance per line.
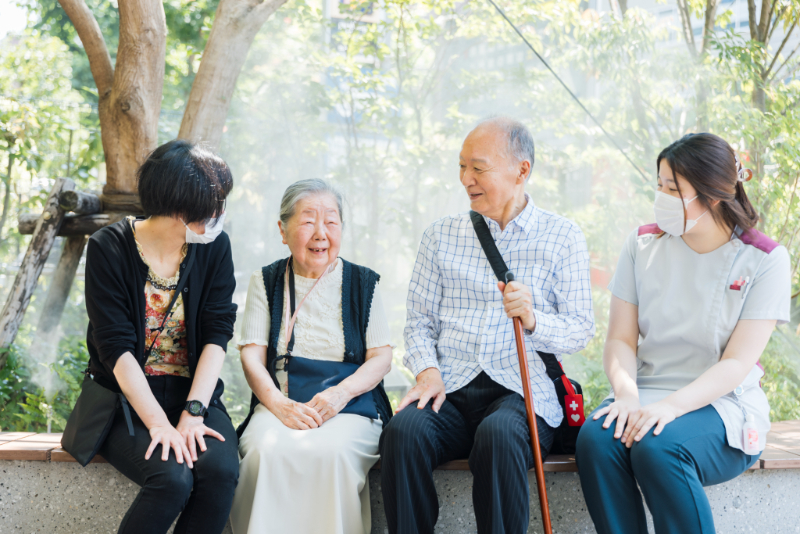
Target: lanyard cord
(288,289)
(564,85)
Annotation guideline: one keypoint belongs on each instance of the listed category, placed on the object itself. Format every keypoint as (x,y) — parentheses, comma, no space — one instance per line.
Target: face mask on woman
(213,229)
(669,212)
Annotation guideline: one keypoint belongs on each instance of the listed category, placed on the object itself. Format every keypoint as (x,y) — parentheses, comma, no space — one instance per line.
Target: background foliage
(376,97)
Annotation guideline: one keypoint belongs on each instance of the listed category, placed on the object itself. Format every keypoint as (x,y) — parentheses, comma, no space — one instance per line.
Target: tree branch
(235,26)
(771,11)
(767,8)
(710,22)
(92,38)
(780,49)
(686,23)
(791,74)
(774,24)
(751,17)
(789,57)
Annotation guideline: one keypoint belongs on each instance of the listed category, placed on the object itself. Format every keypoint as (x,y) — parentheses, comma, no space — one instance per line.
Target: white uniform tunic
(688,310)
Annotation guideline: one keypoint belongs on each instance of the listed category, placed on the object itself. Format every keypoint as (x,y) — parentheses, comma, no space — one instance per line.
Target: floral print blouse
(170,350)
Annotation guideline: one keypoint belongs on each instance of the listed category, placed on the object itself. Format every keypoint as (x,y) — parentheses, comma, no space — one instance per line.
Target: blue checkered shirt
(456,321)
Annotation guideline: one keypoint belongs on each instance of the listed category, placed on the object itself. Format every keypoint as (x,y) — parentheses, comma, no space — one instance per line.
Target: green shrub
(26,405)
(781,382)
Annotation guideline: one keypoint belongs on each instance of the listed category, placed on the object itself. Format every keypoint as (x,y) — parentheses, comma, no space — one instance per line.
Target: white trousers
(305,481)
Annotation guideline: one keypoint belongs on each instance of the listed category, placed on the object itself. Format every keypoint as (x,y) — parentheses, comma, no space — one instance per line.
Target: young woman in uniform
(696,297)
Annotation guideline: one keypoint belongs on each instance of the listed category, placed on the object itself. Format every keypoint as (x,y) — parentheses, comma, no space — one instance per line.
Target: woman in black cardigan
(166,360)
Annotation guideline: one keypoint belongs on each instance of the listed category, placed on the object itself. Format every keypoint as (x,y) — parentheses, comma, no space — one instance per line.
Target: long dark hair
(710,164)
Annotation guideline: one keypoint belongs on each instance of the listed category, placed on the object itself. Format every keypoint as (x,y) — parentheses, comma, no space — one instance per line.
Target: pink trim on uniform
(760,241)
(650,229)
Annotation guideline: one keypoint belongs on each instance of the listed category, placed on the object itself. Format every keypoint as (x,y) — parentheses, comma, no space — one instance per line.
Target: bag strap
(181,284)
(292,301)
(290,312)
(127,411)
(489,246)
(503,274)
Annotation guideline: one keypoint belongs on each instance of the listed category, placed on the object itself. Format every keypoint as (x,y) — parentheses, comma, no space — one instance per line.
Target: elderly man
(460,342)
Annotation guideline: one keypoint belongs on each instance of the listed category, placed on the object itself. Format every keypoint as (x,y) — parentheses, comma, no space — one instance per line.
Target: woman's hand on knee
(193,429)
(658,414)
(294,414)
(329,402)
(619,410)
(169,438)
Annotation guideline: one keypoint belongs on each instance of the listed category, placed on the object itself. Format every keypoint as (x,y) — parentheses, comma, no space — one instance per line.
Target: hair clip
(743,174)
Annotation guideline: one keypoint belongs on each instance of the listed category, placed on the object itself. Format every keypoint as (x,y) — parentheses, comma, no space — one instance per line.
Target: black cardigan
(358,287)
(115,298)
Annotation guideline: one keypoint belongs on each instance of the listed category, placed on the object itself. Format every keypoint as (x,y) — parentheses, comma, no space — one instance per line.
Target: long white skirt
(305,481)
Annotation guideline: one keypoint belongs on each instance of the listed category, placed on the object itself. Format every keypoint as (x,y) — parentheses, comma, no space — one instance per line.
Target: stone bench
(43,489)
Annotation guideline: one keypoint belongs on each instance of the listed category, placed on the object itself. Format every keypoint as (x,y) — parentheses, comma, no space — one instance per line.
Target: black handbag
(307,377)
(90,421)
(568,391)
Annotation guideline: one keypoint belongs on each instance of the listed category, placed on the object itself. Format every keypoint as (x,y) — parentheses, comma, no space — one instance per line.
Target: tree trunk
(701,87)
(686,25)
(710,20)
(25,283)
(135,101)
(759,30)
(58,293)
(130,95)
(235,26)
(759,101)
(7,195)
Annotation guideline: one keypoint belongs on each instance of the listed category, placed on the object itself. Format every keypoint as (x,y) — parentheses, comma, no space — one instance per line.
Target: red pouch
(573,404)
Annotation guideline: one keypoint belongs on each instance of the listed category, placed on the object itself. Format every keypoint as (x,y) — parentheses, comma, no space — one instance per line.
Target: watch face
(195,407)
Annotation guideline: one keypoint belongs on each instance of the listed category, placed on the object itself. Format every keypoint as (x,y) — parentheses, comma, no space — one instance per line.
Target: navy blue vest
(358,286)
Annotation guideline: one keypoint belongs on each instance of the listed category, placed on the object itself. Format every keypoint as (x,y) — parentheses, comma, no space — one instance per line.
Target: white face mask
(213,229)
(669,212)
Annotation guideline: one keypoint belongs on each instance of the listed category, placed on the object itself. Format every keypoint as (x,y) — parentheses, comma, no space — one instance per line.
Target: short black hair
(182,179)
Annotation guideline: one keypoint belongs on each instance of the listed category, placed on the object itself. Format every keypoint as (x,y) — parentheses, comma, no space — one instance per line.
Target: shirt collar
(526,220)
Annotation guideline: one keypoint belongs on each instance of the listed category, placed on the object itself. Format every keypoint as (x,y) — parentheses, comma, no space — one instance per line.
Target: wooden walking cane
(534,429)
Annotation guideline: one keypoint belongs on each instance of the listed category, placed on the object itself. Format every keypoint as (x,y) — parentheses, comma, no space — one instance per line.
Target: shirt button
(185,289)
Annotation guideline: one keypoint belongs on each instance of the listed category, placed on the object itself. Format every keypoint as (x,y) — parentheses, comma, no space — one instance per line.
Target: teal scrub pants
(671,469)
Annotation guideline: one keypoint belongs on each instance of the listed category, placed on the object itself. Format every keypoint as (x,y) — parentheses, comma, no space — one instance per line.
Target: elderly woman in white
(305,462)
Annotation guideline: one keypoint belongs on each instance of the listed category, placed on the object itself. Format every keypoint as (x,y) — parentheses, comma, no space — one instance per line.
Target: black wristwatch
(195,408)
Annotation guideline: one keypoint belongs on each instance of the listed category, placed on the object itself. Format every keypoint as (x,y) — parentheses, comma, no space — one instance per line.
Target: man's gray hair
(303,189)
(518,138)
